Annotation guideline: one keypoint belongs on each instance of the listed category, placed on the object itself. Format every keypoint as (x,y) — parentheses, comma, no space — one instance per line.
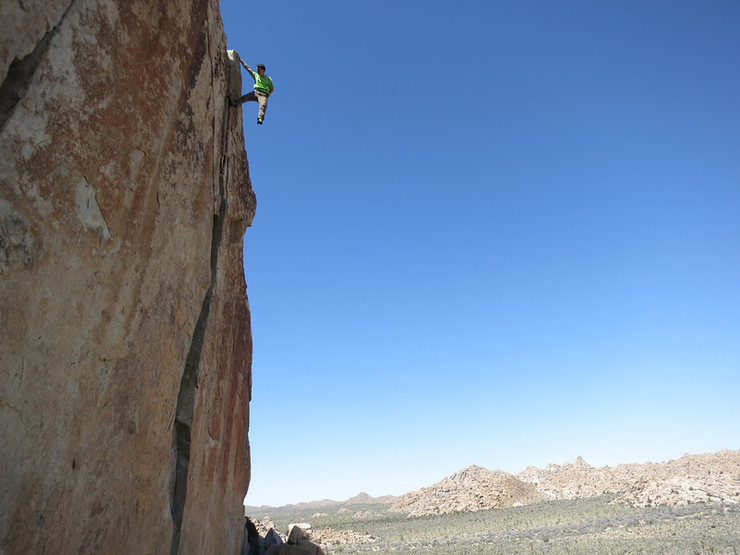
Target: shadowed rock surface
(126,351)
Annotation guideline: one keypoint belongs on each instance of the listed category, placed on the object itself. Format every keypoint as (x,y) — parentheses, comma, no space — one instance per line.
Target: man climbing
(262,89)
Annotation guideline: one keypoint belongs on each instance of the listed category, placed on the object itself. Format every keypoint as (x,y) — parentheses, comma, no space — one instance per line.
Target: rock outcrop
(126,346)
(709,477)
(265,539)
(471,489)
(706,478)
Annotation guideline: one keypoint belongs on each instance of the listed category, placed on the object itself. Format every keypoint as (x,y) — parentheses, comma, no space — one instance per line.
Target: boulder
(272,538)
(298,531)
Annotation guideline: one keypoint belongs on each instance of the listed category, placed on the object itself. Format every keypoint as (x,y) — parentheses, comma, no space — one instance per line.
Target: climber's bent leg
(250,96)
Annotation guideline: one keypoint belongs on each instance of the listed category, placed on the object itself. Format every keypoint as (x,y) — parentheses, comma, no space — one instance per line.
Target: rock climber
(263,88)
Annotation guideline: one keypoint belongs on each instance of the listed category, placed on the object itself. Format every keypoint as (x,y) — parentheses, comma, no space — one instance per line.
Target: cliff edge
(125,360)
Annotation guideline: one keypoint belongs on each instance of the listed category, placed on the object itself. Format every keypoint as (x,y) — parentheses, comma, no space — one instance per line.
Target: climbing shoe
(259,121)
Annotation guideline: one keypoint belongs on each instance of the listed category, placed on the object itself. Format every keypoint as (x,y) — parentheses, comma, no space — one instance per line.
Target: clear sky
(493,232)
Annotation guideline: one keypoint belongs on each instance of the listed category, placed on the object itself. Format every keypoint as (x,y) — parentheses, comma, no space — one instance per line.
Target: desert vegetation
(586,525)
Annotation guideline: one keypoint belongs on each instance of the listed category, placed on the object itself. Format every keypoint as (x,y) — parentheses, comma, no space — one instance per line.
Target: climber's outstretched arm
(242,62)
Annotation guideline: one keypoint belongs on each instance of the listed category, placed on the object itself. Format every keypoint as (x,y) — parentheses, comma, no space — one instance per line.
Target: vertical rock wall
(125,347)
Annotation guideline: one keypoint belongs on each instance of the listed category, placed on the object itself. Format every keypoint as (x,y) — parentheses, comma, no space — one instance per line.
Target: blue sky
(489,232)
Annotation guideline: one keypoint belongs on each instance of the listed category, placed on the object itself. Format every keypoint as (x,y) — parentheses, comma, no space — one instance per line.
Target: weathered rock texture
(468,490)
(709,478)
(706,478)
(126,348)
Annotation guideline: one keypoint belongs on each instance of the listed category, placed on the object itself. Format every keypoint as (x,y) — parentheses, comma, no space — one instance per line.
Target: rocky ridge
(361,498)
(710,478)
(471,489)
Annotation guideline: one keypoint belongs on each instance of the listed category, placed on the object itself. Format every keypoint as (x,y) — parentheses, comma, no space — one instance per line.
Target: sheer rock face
(126,346)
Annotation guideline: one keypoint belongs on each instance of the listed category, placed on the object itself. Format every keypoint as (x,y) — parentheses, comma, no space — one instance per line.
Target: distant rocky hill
(364,499)
(711,478)
(471,489)
(361,498)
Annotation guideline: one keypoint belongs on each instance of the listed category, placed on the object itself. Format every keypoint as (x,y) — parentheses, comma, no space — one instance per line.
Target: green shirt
(262,83)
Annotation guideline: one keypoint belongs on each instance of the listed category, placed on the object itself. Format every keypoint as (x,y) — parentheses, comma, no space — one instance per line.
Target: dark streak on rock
(20,72)
(188,385)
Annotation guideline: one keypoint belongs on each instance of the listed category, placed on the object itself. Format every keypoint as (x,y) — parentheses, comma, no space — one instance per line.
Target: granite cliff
(125,361)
